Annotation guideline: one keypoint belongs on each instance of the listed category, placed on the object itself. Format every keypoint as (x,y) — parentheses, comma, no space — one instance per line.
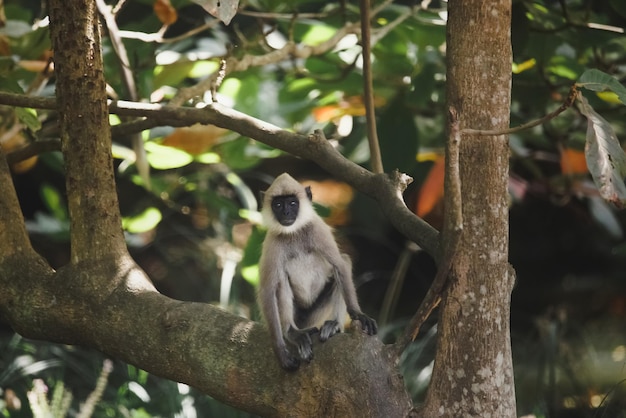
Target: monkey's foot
(288,362)
(368,324)
(329,329)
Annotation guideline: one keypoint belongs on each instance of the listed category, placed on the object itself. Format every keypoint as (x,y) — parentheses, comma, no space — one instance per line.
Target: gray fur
(299,262)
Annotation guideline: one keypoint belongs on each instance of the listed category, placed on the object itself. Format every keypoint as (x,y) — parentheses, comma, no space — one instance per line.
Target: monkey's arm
(342,266)
(271,277)
(268,297)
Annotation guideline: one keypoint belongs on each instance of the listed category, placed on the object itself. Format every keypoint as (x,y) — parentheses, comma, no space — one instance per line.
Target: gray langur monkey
(305,281)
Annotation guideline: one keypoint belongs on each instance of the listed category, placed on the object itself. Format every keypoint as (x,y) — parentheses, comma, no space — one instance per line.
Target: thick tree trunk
(96,228)
(473,374)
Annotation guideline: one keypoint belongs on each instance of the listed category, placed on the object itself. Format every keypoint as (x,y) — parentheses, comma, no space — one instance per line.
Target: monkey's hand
(288,361)
(368,324)
(329,329)
(302,340)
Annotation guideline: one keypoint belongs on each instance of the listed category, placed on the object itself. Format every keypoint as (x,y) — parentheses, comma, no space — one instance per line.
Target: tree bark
(95,223)
(473,373)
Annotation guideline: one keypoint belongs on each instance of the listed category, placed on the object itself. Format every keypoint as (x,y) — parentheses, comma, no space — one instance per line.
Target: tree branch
(32,149)
(12,228)
(223,355)
(454,229)
(567,103)
(289,50)
(385,189)
(368,90)
(141,160)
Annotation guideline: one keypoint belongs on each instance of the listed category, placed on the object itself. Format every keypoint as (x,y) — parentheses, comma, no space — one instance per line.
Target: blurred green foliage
(200,212)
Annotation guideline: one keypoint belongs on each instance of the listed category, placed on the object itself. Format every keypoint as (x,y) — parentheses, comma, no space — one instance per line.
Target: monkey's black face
(285,209)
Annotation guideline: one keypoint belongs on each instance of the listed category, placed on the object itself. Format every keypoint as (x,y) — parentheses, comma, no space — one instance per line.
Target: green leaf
(173,74)
(7,82)
(145,221)
(317,34)
(397,134)
(605,157)
(28,117)
(237,154)
(597,80)
(251,254)
(53,200)
(208,158)
(162,157)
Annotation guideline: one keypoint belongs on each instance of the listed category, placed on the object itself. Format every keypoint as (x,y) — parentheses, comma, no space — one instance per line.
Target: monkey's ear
(309,193)
(261,197)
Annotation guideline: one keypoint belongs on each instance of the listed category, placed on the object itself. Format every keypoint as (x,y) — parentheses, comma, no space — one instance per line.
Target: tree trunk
(473,373)
(95,223)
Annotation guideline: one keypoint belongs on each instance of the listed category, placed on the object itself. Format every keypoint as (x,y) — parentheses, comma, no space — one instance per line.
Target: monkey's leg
(301,338)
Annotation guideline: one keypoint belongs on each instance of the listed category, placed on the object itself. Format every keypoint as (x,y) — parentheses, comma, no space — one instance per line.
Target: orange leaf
(14,143)
(34,66)
(195,139)
(573,161)
(352,106)
(432,189)
(327,113)
(165,12)
(336,196)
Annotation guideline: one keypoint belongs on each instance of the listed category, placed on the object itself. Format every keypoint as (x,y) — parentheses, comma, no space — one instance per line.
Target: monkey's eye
(293,202)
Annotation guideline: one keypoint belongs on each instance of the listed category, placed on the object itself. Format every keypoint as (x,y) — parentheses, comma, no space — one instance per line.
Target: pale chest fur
(307,273)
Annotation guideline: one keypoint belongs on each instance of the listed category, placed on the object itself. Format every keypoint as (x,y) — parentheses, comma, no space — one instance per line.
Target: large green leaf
(605,157)
(163,157)
(596,80)
(143,222)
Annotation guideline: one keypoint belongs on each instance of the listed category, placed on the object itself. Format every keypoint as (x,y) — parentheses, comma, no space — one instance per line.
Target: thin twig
(158,36)
(141,158)
(454,224)
(119,48)
(569,102)
(286,16)
(118,7)
(289,50)
(368,90)
(384,31)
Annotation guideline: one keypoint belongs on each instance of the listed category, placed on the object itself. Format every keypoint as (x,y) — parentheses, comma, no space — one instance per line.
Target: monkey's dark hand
(368,324)
(287,361)
(302,340)
(329,329)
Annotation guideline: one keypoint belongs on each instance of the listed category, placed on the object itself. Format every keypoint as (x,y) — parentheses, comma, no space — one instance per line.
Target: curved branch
(386,190)
(111,306)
